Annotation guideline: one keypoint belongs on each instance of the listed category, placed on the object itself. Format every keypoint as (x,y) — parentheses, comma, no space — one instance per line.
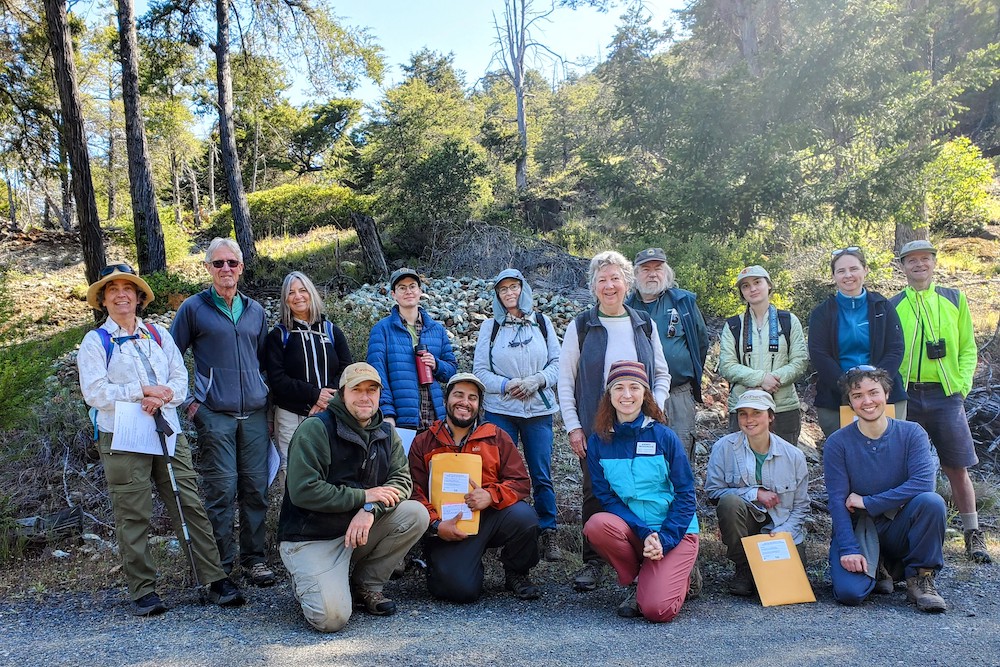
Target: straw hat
(117,272)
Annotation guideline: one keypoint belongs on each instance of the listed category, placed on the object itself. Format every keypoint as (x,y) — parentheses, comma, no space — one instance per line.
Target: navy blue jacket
(390,351)
(886,349)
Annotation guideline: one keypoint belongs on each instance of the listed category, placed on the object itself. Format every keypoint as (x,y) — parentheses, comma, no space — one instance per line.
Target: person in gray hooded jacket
(517,359)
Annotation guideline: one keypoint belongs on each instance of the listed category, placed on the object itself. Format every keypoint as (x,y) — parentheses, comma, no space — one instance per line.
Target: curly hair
(852,378)
(610,258)
(604,421)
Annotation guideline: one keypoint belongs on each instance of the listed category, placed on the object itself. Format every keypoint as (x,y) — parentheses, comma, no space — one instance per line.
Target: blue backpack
(109,346)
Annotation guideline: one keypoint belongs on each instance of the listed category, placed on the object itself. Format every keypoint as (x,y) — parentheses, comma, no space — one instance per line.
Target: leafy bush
(24,368)
(958,189)
(167,285)
(294,209)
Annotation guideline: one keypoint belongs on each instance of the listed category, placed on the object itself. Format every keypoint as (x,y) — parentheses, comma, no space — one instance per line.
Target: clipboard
(847,414)
(777,570)
(449,477)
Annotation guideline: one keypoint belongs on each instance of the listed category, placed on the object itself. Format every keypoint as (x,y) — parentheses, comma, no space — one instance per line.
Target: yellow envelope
(777,570)
(450,475)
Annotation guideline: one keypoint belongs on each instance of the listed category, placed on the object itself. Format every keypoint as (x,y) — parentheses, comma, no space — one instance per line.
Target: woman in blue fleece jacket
(648,530)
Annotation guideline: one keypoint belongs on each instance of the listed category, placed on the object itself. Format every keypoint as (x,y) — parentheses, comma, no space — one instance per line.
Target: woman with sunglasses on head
(305,354)
(517,359)
(853,327)
(126,360)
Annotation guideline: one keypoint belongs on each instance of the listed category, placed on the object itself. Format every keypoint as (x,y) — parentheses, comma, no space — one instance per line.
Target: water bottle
(424,375)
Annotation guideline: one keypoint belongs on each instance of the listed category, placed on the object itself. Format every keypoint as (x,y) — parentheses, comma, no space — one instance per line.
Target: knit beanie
(627,370)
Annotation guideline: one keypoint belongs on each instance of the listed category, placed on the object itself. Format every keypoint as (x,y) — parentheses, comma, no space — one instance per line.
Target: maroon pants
(662,584)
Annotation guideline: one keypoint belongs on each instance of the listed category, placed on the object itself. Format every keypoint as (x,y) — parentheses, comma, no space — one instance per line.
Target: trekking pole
(164,429)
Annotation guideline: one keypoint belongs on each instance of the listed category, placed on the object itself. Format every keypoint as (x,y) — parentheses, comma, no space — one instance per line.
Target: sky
(466,28)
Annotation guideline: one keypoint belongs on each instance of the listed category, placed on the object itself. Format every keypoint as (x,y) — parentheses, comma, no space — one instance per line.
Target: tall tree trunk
(175,185)
(195,196)
(227,137)
(211,177)
(371,246)
(12,206)
(76,138)
(256,155)
(112,140)
(149,245)
(515,41)
(742,22)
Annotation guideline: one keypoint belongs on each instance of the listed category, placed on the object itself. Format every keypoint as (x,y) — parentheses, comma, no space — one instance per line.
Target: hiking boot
(742,582)
(374,602)
(588,576)
(149,604)
(522,586)
(884,585)
(550,545)
(921,591)
(695,582)
(225,593)
(975,546)
(260,575)
(629,606)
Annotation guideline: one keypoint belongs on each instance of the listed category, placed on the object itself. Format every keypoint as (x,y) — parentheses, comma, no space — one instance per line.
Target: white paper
(451,510)
(455,482)
(135,431)
(273,462)
(406,435)
(773,550)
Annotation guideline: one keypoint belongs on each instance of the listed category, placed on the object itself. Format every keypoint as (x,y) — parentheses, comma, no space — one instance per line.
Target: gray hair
(610,258)
(223,243)
(315,303)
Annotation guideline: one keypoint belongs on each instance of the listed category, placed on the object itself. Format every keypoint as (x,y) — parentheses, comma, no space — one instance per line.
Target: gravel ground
(559,629)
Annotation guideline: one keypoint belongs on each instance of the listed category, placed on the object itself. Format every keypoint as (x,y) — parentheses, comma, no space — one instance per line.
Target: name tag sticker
(645,448)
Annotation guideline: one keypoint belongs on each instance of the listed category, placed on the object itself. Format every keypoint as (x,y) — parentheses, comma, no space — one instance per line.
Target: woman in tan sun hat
(126,360)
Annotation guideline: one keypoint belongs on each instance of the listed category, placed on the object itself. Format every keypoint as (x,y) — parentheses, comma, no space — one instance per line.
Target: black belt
(924,386)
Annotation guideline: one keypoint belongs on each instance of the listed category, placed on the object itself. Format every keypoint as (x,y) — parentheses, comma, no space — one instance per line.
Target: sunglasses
(865,368)
(851,250)
(111,268)
(219,263)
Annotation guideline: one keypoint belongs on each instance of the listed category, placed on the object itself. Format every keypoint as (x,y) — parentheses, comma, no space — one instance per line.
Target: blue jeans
(914,536)
(535,434)
(233,466)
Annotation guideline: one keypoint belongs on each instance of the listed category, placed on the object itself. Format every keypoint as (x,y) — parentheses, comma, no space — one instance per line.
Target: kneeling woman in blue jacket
(648,530)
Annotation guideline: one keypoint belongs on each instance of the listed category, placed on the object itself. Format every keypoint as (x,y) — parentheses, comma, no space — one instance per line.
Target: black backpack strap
(785,326)
(582,328)
(734,327)
(540,319)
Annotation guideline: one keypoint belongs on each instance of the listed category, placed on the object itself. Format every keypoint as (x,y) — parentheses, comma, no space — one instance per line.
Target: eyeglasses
(219,263)
(111,268)
(851,249)
(508,289)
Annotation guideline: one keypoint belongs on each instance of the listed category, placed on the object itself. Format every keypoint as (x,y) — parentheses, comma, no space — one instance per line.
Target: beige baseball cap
(357,373)
(758,399)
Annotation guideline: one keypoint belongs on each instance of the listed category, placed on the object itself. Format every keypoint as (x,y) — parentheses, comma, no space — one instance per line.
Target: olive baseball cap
(920,245)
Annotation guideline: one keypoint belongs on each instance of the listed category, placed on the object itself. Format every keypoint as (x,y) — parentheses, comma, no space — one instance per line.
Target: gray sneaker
(975,546)
(588,576)
(921,591)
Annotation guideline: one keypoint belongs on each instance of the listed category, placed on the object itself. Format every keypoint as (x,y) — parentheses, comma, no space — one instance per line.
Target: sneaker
(149,604)
(695,582)
(975,546)
(550,545)
(884,585)
(742,582)
(261,575)
(374,602)
(225,593)
(588,576)
(629,606)
(921,591)
(522,586)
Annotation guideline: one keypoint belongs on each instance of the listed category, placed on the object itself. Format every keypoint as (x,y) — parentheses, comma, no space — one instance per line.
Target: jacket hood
(524,302)
(339,409)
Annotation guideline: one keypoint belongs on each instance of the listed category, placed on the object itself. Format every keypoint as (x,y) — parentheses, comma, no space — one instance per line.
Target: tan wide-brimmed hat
(117,272)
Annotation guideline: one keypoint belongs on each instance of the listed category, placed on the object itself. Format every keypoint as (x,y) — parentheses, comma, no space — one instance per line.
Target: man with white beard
(682,333)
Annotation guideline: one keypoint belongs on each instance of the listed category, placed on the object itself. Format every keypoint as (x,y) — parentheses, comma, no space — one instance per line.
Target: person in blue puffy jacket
(397,343)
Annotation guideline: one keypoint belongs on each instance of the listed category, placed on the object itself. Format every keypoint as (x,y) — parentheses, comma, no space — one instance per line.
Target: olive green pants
(130,481)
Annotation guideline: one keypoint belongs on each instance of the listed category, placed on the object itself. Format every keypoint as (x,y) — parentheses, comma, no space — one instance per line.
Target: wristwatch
(369,507)
(434,527)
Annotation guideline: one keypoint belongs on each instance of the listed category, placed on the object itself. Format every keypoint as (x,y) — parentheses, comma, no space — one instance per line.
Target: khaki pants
(320,569)
(130,482)
(285,423)
(680,411)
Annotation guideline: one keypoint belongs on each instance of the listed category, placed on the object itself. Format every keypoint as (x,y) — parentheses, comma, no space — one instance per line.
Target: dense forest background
(746,131)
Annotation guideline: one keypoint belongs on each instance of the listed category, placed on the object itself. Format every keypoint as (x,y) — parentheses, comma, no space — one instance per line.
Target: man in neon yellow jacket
(938,367)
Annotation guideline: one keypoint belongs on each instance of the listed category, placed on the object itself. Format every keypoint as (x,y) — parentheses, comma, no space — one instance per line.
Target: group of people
(356,440)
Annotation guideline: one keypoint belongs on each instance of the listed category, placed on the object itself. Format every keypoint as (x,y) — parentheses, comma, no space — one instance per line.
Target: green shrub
(294,209)
(164,285)
(356,324)
(24,368)
(958,189)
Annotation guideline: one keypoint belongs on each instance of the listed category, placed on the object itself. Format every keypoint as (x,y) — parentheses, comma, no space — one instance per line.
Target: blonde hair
(315,303)
(610,258)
